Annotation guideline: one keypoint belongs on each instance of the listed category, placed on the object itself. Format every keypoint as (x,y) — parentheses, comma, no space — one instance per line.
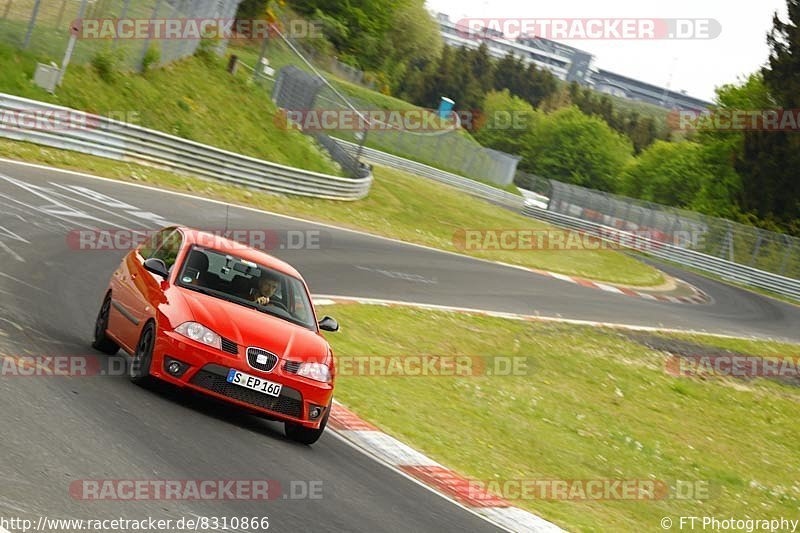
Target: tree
(381,35)
(570,146)
(508,122)
(770,160)
(669,173)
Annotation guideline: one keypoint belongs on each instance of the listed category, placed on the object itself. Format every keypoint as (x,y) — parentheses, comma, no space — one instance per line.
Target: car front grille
(229,346)
(213,378)
(268,359)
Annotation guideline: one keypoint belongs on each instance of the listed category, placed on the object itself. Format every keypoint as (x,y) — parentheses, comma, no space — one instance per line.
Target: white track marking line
(40,191)
(13,254)
(104,210)
(330,299)
(49,196)
(36,209)
(9,276)
(13,235)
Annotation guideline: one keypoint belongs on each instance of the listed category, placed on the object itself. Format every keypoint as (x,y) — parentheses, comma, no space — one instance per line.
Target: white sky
(698,66)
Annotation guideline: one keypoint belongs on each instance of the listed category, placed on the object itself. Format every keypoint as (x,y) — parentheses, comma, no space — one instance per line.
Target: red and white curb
(697,297)
(428,472)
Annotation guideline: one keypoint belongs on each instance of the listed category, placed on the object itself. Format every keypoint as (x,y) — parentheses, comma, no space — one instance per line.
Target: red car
(212,315)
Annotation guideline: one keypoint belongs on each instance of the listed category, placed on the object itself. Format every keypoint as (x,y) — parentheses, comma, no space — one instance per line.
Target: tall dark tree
(770,161)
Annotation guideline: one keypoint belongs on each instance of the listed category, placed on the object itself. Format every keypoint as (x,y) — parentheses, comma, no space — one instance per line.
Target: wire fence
(746,245)
(44,28)
(449,148)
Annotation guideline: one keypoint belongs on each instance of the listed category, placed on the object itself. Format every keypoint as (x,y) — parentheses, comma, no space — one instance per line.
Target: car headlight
(315,371)
(200,333)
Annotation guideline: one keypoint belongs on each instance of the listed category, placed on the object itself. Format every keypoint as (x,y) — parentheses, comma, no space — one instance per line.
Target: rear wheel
(139,370)
(305,435)
(101,341)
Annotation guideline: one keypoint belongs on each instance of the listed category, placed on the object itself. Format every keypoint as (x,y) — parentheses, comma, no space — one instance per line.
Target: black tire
(139,369)
(101,341)
(305,435)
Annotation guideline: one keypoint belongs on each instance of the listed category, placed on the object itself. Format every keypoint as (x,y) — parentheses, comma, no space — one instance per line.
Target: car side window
(170,246)
(153,243)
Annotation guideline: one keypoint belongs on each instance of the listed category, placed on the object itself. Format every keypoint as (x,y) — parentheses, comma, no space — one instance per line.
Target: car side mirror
(328,324)
(157,267)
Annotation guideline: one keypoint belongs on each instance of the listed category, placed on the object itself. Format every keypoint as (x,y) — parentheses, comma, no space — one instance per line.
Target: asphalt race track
(57,430)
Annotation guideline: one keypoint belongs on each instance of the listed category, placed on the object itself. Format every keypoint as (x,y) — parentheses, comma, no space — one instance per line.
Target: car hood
(249,327)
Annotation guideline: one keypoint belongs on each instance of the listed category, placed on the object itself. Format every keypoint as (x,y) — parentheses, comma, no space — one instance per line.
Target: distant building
(567,63)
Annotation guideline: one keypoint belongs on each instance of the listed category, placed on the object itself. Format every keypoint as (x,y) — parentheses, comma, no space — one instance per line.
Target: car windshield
(238,280)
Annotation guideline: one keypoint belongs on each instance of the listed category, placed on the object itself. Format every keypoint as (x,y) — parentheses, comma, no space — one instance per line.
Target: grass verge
(596,404)
(194,99)
(399,205)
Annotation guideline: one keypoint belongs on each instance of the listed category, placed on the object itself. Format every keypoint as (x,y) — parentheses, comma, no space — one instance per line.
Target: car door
(147,287)
(125,319)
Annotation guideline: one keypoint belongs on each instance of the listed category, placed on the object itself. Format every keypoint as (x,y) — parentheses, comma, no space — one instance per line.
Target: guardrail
(467,185)
(74,130)
(714,265)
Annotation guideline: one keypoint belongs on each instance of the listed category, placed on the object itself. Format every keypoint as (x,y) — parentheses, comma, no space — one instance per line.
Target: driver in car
(267,286)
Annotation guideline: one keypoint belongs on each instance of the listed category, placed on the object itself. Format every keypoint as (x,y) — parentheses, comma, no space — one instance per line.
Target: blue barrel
(446,107)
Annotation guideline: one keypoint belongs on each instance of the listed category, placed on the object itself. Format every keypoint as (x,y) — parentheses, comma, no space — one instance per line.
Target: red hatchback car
(203,312)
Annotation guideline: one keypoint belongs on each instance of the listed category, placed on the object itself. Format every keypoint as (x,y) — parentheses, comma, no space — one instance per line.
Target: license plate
(254,383)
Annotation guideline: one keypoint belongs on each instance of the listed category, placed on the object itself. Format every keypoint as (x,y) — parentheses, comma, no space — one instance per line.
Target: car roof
(218,242)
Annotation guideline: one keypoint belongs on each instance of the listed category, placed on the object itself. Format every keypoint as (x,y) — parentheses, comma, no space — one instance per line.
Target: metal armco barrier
(467,185)
(714,265)
(111,139)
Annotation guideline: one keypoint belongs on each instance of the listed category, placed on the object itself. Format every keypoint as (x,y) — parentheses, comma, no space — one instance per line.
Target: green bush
(207,51)
(106,63)
(570,146)
(152,58)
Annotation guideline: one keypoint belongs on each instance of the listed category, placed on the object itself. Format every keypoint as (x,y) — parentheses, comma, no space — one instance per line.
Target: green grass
(192,99)
(595,405)
(399,205)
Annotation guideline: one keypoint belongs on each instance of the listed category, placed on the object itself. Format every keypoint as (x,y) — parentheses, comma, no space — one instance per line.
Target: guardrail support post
(31,23)
(7,9)
(122,16)
(71,45)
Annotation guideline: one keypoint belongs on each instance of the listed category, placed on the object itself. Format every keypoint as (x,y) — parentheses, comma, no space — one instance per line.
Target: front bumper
(207,373)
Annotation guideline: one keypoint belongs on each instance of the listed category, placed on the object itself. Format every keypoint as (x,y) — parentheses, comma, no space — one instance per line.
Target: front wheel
(101,341)
(139,370)
(305,435)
